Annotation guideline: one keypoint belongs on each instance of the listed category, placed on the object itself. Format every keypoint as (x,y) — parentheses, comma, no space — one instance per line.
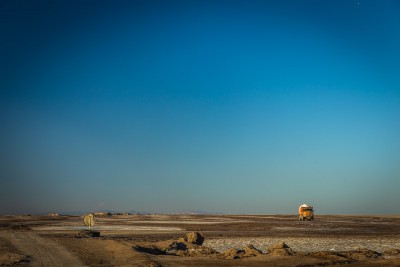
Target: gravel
(309,244)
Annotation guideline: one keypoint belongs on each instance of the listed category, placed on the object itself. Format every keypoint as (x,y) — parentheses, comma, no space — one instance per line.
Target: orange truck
(306,212)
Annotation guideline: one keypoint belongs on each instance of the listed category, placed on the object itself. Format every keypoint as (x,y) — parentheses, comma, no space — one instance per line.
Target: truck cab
(306,212)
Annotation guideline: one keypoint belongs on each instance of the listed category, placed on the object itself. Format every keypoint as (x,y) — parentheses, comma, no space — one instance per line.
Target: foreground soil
(134,240)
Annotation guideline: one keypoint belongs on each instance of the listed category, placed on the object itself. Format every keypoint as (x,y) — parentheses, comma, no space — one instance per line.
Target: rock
(176,248)
(278,245)
(279,249)
(190,245)
(362,254)
(88,233)
(281,252)
(182,240)
(251,251)
(180,248)
(233,253)
(194,238)
(196,250)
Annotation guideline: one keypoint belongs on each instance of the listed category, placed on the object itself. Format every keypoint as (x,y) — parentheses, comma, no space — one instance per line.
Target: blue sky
(218,106)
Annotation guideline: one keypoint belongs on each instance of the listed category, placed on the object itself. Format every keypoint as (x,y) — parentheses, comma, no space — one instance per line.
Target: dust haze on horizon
(217,106)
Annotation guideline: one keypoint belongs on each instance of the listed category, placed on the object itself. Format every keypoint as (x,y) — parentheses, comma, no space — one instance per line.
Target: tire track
(44,252)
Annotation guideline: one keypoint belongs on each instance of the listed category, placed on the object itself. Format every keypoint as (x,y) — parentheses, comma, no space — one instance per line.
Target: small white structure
(89,220)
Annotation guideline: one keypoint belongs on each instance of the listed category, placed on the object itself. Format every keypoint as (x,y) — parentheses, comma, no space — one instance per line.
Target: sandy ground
(329,240)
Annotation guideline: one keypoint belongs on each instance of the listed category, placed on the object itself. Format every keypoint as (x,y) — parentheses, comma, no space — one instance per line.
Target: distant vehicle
(306,212)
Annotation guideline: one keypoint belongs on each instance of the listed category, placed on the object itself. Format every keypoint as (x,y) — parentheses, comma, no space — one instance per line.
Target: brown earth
(229,240)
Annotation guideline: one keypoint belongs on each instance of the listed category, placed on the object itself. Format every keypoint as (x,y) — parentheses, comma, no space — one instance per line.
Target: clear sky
(217,106)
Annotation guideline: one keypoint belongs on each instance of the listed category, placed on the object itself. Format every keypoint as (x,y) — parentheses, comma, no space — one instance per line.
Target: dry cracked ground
(229,240)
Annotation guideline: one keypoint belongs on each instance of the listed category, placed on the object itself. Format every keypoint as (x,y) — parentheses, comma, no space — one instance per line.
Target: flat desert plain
(156,240)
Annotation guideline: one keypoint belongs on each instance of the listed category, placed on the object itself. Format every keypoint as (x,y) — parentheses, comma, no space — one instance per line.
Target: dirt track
(44,252)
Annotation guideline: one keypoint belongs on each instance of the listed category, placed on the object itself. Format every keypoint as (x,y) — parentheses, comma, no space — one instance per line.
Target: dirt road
(44,252)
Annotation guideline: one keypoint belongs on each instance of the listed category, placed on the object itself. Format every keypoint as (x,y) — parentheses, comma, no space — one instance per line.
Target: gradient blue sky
(218,106)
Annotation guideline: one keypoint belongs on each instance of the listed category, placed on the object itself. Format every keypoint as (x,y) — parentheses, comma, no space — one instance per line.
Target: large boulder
(194,238)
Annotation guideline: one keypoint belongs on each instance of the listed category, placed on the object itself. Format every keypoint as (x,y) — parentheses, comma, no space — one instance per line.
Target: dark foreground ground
(147,240)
